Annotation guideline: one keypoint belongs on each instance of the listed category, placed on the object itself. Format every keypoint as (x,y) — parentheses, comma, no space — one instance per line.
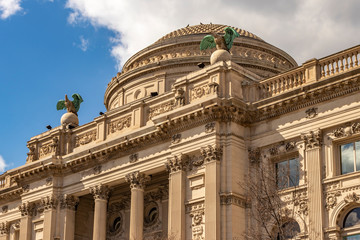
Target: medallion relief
(119,124)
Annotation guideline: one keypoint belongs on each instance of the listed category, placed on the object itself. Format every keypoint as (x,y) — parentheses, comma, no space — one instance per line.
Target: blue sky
(52,48)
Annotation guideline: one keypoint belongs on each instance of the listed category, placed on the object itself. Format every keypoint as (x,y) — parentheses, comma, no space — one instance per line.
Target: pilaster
(101,194)
(137,182)
(314,170)
(176,215)
(212,156)
(27,211)
(50,204)
(4,230)
(68,205)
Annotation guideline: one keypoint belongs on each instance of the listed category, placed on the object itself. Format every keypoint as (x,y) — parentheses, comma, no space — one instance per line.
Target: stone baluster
(101,195)
(50,204)
(312,142)
(68,205)
(176,218)
(27,211)
(212,156)
(137,182)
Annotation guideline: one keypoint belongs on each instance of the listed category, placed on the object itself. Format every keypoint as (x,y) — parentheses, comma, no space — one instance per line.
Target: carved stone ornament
(331,200)
(210,127)
(161,193)
(282,148)
(346,131)
(55,146)
(211,153)
(68,201)
(5,209)
(116,207)
(254,155)
(179,97)
(162,108)
(137,180)
(352,197)
(49,202)
(49,181)
(31,155)
(118,125)
(97,169)
(197,224)
(176,138)
(312,139)
(48,148)
(177,163)
(197,161)
(197,217)
(100,191)
(85,138)
(311,113)
(27,209)
(302,206)
(26,188)
(133,157)
(5,227)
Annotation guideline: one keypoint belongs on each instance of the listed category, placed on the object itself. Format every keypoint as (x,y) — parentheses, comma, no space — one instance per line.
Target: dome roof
(156,68)
(205,29)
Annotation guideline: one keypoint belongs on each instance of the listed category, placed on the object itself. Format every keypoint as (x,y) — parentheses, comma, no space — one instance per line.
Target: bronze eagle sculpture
(70,106)
(220,42)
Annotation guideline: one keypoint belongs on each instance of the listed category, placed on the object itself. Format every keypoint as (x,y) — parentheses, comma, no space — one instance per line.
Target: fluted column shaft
(101,194)
(137,184)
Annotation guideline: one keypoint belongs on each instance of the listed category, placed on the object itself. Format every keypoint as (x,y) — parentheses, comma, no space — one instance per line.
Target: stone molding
(210,127)
(137,180)
(312,139)
(254,155)
(27,209)
(4,227)
(233,199)
(119,124)
(282,148)
(346,131)
(331,199)
(162,108)
(68,201)
(352,198)
(211,153)
(177,163)
(85,138)
(49,202)
(100,192)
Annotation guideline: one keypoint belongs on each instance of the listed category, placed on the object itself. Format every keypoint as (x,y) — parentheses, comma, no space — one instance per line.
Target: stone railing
(310,71)
(283,82)
(340,62)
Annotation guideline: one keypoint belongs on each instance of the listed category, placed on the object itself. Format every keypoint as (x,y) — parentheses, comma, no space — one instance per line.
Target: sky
(49,48)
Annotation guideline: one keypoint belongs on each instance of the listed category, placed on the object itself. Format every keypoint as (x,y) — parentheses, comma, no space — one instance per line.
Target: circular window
(151,214)
(115,224)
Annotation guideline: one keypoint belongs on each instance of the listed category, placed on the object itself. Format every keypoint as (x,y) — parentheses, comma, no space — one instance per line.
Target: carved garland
(162,108)
(118,125)
(85,138)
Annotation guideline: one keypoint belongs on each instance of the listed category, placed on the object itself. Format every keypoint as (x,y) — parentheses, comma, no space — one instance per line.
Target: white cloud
(9,7)
(84,44)
(305,29)
(3,165)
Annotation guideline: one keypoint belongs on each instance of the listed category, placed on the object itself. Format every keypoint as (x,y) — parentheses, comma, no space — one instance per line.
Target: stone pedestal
(101,194)
(137,184)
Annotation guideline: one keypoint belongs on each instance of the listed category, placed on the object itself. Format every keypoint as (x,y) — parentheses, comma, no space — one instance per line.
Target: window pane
(354,237)
(347,158)
(282,175)
(294,172)
(353,218)
(357,149)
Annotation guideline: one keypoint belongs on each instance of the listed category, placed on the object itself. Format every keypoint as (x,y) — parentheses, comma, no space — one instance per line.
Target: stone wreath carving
(331,200)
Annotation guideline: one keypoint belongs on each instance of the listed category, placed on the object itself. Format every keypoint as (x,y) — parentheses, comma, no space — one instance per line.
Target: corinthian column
(101,194)
(137,182)
(316,202)
(212,156)
(27,210)
(68,204)
(50,204)
(5,230)
(176,220)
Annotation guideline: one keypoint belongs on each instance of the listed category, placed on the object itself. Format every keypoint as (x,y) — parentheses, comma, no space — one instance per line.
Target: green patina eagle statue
(220,42)
(70,106)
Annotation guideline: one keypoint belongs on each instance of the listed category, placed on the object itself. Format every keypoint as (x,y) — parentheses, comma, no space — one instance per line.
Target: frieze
(203,90)
(312,139)
(119,124)
(346,131)
(352,197)
(282,148)
(85,138)
(162,108)
(331,200)
(137,179)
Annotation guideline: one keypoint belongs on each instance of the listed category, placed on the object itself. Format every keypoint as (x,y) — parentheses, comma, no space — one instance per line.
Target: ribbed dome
(204,29)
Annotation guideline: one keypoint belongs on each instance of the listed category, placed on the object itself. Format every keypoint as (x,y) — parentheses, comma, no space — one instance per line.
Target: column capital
(68,201)
(312,139)
(27,209)
(211,153)
(49,202)
(5,227)
(100,192)
(137,180)
(177,163)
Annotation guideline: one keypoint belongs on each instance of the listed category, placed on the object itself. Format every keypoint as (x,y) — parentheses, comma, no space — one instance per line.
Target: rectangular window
(287,173)
(350,157)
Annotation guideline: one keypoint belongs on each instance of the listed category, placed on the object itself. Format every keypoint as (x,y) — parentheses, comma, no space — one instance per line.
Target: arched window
(351,220)
(289,230)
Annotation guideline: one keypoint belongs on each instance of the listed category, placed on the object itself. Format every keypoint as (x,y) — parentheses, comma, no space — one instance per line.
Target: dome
(155,68)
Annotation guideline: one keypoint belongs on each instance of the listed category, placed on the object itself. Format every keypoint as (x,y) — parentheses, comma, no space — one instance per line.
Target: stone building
(175,147)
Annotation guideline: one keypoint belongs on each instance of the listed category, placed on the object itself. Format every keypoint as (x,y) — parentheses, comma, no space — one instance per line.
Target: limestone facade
(174,164)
